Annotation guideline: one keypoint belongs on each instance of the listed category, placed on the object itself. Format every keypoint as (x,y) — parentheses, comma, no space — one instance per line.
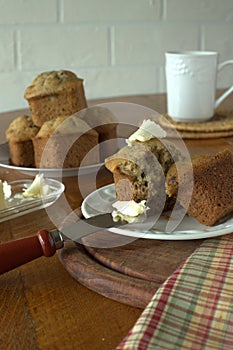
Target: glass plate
(53,172)
(21,206)
(100,201)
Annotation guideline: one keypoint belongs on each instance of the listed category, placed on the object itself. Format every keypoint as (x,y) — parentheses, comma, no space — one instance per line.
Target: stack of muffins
(54,97)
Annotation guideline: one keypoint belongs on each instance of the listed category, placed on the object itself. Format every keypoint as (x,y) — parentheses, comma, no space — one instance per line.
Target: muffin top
(52,82)
(65,125)
(21,129)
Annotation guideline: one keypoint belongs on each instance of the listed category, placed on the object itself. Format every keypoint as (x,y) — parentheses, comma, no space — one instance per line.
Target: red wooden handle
(21,251)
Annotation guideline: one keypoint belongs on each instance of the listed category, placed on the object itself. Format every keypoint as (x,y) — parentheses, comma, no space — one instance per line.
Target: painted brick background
(116,46)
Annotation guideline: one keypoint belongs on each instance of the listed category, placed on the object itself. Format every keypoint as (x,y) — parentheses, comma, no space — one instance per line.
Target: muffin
(105,123)
(212,193)
(53,94)
(65,142)
(19,135)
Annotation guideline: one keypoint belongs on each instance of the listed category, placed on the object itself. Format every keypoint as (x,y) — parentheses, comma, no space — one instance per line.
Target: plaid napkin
(193,309)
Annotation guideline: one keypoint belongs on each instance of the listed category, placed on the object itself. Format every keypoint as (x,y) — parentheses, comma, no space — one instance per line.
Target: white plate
(100,201)
(19,206)
(53,173)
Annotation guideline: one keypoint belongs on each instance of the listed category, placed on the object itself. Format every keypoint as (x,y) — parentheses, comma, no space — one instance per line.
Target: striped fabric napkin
(193,309)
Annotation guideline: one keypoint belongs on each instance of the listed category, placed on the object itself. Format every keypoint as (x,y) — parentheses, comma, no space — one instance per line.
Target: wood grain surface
(129,274)
(41,305)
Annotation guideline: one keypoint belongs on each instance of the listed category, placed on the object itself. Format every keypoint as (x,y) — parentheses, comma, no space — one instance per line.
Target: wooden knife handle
(21,251)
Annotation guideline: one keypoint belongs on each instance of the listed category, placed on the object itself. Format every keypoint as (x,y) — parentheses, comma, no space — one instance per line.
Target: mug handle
(230,90)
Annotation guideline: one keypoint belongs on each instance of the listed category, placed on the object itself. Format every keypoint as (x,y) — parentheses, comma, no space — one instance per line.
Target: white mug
(191,84)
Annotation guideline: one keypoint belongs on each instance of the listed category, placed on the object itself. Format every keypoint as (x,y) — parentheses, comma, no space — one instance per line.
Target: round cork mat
(220,125)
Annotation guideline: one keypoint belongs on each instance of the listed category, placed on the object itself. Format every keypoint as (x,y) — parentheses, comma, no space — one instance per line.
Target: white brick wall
(117,46)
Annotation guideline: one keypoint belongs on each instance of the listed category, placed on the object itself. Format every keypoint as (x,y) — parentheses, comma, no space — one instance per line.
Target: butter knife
(45,243)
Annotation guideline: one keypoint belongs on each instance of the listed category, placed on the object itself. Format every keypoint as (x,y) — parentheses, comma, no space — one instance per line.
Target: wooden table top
(41,305)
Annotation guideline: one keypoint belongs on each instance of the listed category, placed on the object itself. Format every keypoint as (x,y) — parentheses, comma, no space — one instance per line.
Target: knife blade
(85,227)
(45,243)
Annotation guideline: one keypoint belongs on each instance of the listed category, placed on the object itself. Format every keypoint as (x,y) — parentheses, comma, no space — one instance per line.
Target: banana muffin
(19,135)
(65,142)
(105,123)
(53,94)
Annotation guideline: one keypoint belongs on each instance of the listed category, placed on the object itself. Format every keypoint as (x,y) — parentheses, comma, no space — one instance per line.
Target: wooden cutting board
(128,273)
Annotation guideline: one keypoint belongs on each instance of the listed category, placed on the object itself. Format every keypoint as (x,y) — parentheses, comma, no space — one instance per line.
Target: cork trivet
(202,135)
(221,121)
(221,125)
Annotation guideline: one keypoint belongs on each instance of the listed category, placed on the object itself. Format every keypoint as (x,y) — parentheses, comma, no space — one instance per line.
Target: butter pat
(128,210)
(6,190)
(3,204)
(148,130)
(38,188)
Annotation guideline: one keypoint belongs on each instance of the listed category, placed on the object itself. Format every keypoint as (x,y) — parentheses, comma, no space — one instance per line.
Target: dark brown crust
(212,195)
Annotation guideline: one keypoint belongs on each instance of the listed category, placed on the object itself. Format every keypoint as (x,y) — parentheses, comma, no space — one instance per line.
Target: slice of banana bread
(139,172)
(212,194)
